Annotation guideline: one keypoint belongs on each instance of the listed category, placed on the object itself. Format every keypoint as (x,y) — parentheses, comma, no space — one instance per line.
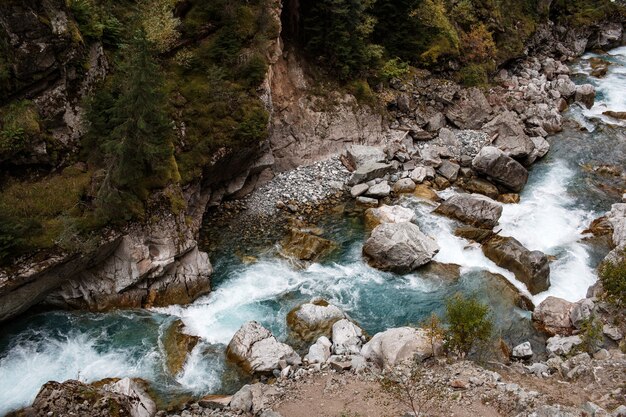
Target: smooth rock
(503,169)
(358,190)
(399,247)
(553,316)
(404,185)
(388,214)
(475,209)
(313,319)
(397,345)
(346,338)
(380,190)
(562,345)
(320,351)
(305,246)
(480,186)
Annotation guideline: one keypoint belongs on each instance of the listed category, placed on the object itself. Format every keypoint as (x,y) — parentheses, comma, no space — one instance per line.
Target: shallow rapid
(559,202)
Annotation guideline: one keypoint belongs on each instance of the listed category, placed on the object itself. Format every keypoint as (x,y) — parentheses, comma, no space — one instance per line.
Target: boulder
(471,111)
(380,190)
(612,332)
(475,209)
(552,315)
(313,319)
(509,134)
(358,190)
(615,114)
(399,247)
(347,338)
(522,351)
(425,192)
(369,171)
(252,399)
(501,168)
(404,185)
(580,312)
(319,352)
(565,87)
(397,345)
(177,345)
(449,170)
(366,201)
(562,345)
(419,174)
(609,35)
(530,267)
(480,186)
(305,246)
(388,214)
(359,155)
(141,403)
(256,350)
(473,233)
(509,198)
(541,149)
(586,94)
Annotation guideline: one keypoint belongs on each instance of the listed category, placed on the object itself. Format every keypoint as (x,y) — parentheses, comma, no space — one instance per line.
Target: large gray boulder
(256,350)
(369,171)
(359,155)
(562,345)
(388,214)
(319,352)
(141,403)
(471,111)
(399,247)
(313,319)
(347,338)
(509,134)
(397,345)
(552,315)
(530,267)
(477,210)
(586,94)
(501,168)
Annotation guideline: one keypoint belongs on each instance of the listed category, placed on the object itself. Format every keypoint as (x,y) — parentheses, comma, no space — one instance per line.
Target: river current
(563,195)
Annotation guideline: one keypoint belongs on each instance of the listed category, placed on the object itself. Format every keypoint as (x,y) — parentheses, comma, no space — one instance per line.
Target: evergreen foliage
(613,279)
(469,324)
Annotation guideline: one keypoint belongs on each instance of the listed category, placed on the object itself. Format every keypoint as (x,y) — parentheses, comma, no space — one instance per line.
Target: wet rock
(380,190)
(305,246)
(449,170)
(256,350)
(553,316)
(530,267)
(319,352)
(369,171)
(522,351)
(346,338)
(476,234)
(480,186)
(503,169)
(426,192)
(397,345)
(404,185)
(358,190)
(399,247)
(388,214)
(509,134)
(615,114)
(177,346)
(562,345)
(359,155)
(215,402)
(313,319)
(599,67)
(586,94)
(509,198)
(474,209)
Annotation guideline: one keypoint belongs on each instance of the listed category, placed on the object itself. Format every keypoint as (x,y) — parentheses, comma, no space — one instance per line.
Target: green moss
(473,75)
(19,127)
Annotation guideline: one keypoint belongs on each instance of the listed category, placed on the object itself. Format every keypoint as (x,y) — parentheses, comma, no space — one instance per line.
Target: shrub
(394,68)
(159,23)
(478,44)
(591,334)
(435,330)
(469,323)
(613,279)
(473,75)
(19,125)
(406,383)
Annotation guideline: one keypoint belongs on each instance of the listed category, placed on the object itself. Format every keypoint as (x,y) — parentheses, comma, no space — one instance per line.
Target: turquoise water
(557,205)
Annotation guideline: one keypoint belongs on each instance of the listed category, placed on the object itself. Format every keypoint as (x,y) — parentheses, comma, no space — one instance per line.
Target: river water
(563,195)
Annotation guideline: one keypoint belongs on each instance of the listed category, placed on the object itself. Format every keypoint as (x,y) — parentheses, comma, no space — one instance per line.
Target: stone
(509,134)
(509,198)
(615,114)
(346,338)
(602,355)
(366,201)
(612,332)
(480,186)
(251,398)
(404,185)
(473,233)
(141,403)
(359,155)
(388,214)
(311,320)
(436,122)
(358,190)
(501,168)
(471,111)
(586,94)
(399,247)
(425,192)
(619,411)
(474,209)
(398,345)
(538,369)
(530,267)
(256,350)
(553,316)
(269,413)
(369,171)
(380,190)
(305,246)
(449,170)
(430,157)
(177,345)
(419,174)
(540,150)
(562,345)
(565,87)
(358,363)
(319,352)
(581,311)
(339,364)
(522,351)
(215,402)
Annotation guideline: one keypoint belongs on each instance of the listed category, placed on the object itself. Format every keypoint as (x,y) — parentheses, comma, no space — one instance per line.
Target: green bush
(19,126)
(591,335)
(613,279)
(469,324)
(473,75)
(394,68)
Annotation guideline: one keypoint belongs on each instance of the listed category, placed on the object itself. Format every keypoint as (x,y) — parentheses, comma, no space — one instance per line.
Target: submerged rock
(475,209)
(313,319)
(552,315)
(256,350)
(177,346)
(399,247)
(503,169)
(530,267)
(305,246)
(397,345)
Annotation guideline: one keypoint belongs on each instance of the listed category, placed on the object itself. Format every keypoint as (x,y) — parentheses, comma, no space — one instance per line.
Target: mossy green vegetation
(469,324)
(613,278)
